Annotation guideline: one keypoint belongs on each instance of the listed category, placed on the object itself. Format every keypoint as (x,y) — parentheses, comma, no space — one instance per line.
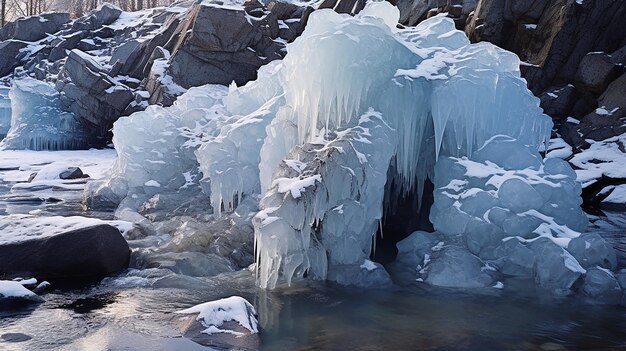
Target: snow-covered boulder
(556,269)
(60,247)
(592,250)
(602,286)
(226,323)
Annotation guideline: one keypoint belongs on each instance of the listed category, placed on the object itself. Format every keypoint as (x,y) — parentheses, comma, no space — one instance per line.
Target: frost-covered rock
(556,269)
(514,259)
(592,250)
(415,249)
(455,267)
(226,323)
(602,286)
(38,121)
(365,275)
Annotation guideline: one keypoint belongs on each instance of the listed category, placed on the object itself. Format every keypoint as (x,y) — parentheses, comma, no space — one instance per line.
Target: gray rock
(592,250)
(515,259)
(94,97)
(343,6)
(68,42)
(412,249)
(72,173)
(367,275)
(218,45)
(555,268)
(601,285)
(596,72)
(455,267)
(558,102)
(104,15)
(615,97)
(88,252)
(10,55)
(35,27)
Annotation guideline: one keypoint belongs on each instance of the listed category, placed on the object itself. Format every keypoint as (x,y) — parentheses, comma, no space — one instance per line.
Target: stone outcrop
(88,252)
(34,28)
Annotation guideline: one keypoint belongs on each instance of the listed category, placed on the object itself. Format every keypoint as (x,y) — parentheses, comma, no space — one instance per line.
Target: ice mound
(360,106)
(505,190)
(38,122)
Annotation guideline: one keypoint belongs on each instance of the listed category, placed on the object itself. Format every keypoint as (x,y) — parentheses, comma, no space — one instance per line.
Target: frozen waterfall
(317,136)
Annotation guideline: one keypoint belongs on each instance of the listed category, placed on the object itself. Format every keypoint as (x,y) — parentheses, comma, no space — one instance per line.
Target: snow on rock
(212,315)
(15,291)
(38,121)
(603,158)
(19,228)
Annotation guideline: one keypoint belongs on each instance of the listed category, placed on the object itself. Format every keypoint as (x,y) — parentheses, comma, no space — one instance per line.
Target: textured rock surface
(89,252)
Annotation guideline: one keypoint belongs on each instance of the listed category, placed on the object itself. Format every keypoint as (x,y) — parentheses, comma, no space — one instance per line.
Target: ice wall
(5,111)
(38,122)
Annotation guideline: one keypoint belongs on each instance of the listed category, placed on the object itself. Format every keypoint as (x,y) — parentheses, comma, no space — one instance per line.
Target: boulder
(219,45)
(228,323)
(92,251)
(10,55)
(556,269)
(455,267)
(592,250)
(596,72)
(72,173)
(601,285)
(343,6)
(34,28)
(366,275)
(104,15)
(96,99)
(614,97)
(515,259)
(558,102)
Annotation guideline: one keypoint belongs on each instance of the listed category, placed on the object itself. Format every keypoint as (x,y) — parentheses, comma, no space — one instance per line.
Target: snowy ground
(18,165)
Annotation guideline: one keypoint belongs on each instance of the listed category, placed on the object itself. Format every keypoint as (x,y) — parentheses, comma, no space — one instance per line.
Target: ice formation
(5,111)
(357,105)
(38,122)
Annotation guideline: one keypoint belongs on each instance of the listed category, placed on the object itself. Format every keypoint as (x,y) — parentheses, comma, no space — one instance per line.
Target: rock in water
(14,292)
(229,323)
(64,248)
(601,285)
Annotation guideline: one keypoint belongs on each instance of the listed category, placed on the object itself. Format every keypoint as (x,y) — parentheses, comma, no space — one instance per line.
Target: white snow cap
(213,314)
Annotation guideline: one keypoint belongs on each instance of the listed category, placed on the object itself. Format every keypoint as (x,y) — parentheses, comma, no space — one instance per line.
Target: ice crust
(359,104)
(38,121)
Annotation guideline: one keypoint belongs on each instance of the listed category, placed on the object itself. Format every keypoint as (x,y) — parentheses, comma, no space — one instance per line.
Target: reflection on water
(415,317)
(127,313)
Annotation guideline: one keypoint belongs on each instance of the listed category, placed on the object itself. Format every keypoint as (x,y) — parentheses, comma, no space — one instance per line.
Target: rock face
(9,55)
(91,94)
(218,45)
(88,252)
(35,27)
